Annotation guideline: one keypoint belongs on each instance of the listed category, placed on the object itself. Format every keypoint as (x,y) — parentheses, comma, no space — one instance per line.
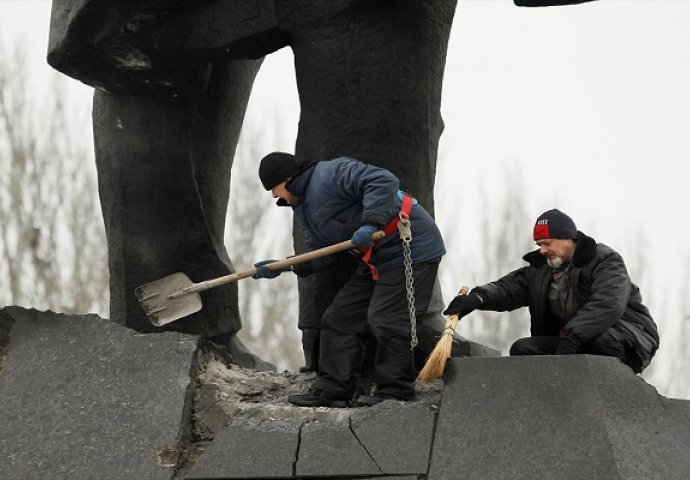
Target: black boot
(319,398)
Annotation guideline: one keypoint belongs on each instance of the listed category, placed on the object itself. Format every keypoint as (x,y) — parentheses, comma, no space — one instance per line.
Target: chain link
(405,230)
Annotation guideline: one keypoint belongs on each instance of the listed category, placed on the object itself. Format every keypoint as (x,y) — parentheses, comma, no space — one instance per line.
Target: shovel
(176,296)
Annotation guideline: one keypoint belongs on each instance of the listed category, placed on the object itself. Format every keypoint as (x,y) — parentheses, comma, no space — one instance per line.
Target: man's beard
(555,262)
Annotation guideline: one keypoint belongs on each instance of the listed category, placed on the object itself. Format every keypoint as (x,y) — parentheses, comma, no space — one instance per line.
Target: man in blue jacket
(579,294)
(343,199)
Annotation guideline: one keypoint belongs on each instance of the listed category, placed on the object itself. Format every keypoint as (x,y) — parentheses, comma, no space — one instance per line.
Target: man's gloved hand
(463,304)
(262,271)
(362,236)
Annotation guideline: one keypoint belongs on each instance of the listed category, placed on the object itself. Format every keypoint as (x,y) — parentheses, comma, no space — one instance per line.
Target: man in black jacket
(579,294)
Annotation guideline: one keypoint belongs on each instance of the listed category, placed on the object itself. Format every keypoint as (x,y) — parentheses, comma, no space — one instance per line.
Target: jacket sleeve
(507,293)
(375,187)
(607,300)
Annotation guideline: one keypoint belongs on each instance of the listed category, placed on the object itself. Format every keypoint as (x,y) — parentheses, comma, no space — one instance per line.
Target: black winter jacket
(605,295)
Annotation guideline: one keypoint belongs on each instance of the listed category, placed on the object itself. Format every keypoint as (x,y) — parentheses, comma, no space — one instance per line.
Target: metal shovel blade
(163,302)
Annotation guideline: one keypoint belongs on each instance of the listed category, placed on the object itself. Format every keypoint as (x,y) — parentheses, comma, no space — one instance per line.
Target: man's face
(279,191)
(557,251)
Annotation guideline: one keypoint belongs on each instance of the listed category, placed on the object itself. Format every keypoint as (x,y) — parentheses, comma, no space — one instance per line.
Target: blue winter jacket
(336,197)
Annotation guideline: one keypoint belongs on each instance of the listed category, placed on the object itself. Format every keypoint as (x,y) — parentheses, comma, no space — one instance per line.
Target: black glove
(463,304)
(262,271)
(568,345)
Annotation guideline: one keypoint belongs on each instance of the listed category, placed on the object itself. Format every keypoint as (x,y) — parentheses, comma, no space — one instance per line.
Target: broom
(436,361)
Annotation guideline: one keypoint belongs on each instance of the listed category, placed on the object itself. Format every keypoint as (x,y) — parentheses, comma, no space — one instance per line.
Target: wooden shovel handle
(294,260)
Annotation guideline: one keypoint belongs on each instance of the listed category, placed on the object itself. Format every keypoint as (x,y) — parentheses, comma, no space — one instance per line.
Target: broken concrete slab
(82,397)
(562,418)
(392,438)
(649,433)
(397,435)
(330,450)
(251,448)
(284,441)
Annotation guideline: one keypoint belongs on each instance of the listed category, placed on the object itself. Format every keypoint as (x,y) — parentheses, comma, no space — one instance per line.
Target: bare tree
(489,260)
(51,230)
(259,230)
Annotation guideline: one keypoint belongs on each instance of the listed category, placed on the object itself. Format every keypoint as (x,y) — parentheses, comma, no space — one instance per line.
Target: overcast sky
(592,100)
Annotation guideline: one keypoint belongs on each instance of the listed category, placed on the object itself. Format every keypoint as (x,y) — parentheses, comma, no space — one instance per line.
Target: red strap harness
(392,226)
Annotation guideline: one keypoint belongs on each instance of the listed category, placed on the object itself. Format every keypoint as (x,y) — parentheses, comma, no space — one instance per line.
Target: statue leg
(369,80)
(164,176)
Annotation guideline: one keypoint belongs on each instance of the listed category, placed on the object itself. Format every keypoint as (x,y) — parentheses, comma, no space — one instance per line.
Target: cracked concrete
(232,404)
(82,397)
(364,447)
(514,406)
(189,403)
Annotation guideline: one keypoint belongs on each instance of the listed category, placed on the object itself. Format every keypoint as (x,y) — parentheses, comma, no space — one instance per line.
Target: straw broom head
(436,361)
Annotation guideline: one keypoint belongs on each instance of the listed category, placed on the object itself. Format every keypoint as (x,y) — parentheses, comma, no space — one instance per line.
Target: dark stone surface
(650,434)
(105,44)
(230,349)
(160,47)
(562,418)
(397,435)
(84,398)
(332,450)
(369,77)
(164,178)
(384,108)
(239,29)
(250,448)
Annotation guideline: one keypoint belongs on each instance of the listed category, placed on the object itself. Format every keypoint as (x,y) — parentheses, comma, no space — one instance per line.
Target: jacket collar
(298,184)
(584,252)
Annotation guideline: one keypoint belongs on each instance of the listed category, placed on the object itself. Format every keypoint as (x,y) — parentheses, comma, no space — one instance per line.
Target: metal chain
(405,229)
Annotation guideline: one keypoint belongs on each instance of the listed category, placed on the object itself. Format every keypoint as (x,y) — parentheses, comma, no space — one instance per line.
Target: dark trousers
(366,308)
(610,343)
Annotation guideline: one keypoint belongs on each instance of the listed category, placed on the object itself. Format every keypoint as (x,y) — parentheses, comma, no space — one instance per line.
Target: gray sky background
(591,101)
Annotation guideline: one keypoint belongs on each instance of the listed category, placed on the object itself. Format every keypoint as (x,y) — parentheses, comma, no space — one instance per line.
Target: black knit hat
(554,224)
(277,167)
